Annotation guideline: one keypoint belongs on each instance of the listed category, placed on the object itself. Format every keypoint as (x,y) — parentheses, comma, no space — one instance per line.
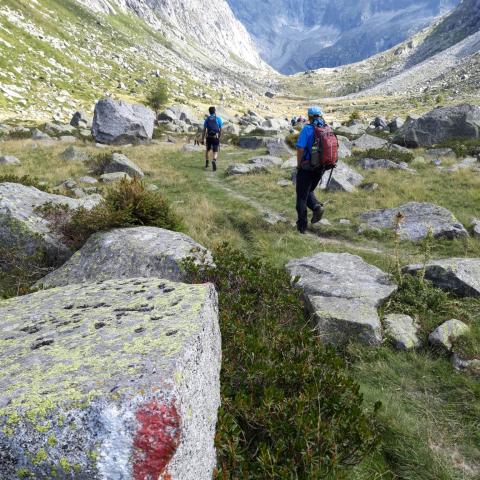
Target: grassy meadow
(430,415)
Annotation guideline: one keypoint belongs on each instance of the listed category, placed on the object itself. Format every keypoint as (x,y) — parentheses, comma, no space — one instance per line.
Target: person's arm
(300,152)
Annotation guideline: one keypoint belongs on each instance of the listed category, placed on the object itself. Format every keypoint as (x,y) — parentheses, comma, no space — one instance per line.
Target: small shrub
(98,163)
(231,139)
(24,180)
(440,99)
(355,115)
(260,132)
(463,147)
(385,153)
(292,139)
(127,204)
(157,96)
(289,409)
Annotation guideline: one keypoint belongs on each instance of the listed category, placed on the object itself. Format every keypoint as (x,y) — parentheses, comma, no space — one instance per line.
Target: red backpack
(324,154)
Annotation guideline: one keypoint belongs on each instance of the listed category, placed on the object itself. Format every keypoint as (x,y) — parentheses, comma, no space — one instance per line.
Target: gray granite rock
(461,121)
(344,149)
(277,147)
(344,179)
(373,164)
(119,123)
(439,153)
(289,164)
(114,177)
(9,160)
(24,229)
(476,227)
(111,380)
(190,148)
(470,365)
(402,330)
(128,253)
(458,275)
(342,293)
(88,180)
(419,218)
(252,143)
(446,334)
(367,142)
(74,154)
(121,163)
(245,169)
(267,161)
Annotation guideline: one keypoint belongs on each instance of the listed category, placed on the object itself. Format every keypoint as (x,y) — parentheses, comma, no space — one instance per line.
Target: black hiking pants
(307,182)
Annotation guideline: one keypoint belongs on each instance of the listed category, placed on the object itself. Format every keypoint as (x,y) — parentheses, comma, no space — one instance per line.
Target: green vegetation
(386,153)
(463,147)
(24,180)
(127,204)
(292,139)
(157,96)
(288,408)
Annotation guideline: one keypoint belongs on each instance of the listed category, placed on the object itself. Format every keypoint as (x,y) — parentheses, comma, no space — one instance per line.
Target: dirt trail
(274,218)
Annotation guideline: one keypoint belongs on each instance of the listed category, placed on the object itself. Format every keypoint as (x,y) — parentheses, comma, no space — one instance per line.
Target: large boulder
(252,143)
(344,179)
(121,163)
(179,112)
(418,219)
(278,147)
(127,253)
(24,230)
(343,292)
(368,142)
(458,275)
(120,123)
(461,121)
(117,380)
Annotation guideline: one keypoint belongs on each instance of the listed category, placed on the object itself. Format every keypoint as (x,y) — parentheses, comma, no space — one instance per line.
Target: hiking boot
(206,164)
(318,214)
(214,166)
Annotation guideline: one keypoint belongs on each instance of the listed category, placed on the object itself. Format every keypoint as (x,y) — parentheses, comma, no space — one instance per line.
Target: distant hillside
(58,55)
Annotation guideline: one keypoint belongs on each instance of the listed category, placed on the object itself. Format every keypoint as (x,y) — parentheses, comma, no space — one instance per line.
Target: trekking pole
(329,179)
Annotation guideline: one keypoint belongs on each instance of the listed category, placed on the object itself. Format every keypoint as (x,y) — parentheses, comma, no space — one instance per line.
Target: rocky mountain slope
(58,56)
(294,36)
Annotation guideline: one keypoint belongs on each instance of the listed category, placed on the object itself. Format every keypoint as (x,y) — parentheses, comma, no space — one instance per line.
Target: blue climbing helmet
(315,112)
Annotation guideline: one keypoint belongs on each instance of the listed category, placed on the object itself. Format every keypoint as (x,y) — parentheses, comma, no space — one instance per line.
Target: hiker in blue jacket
(212,132)
(308,180)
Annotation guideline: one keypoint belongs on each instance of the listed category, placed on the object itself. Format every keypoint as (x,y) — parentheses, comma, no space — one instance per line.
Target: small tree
(157,96)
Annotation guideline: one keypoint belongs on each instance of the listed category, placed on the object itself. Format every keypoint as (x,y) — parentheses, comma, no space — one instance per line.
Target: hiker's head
(212,110)
(315,115)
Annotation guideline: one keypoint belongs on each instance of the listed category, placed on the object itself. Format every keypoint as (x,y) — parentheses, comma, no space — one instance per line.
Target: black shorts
(213,144)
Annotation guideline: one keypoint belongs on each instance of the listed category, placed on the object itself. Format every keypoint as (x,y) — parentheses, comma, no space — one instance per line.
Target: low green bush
(99,162)
(260,132)
(386,153)
(127,204)
(292,139)
(24,180)
(289,409)
(463,147)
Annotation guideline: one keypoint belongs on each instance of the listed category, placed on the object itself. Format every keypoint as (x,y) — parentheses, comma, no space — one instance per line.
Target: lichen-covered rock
(121,163)
(120,123)
(445,335)
(458,275)
(113,380)
(129,253)
(22,226)
(402,330)
(418,219)
(267,161)
(470,365)
(342,293)
(374,163)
